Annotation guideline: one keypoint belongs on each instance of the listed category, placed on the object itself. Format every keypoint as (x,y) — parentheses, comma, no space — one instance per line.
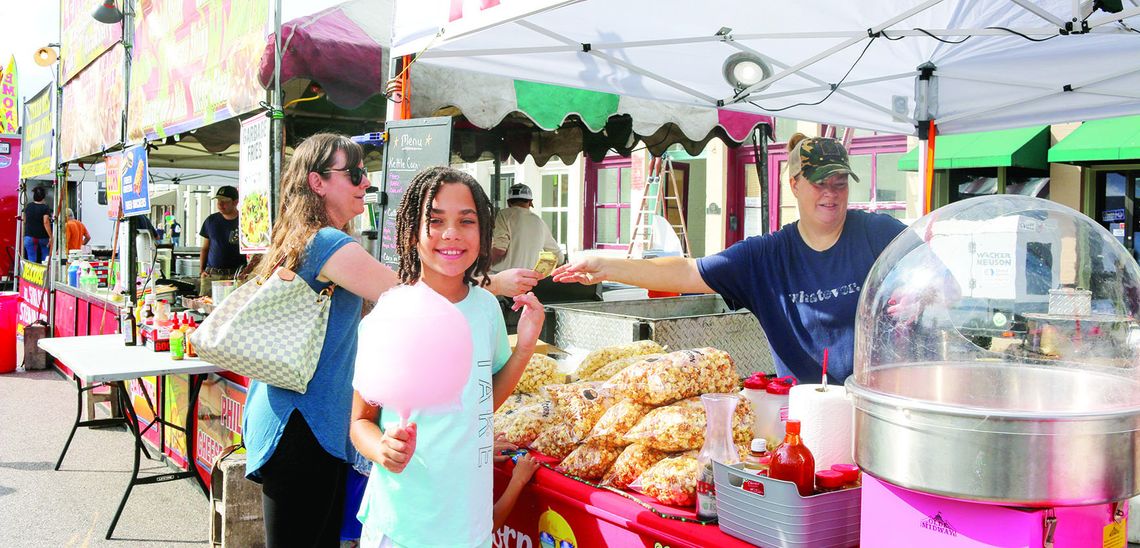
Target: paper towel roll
(827,422)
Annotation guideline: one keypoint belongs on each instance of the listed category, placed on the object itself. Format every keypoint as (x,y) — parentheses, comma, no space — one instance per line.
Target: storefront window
(890,183)
(969,183)
(789,212)
(1027,182)
(611,207)
(555,199)
(861,191)
(881,187)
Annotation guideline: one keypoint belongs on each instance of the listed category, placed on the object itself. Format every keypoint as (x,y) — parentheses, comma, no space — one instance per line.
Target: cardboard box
(540,348)
(156,338)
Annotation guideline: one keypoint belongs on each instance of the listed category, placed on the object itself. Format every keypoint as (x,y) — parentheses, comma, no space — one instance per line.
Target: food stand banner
(176,395)
(221,405)
(82,38)
(93,107)
(33,296)
(194,63)
(254,184)
(114,164)
(146,402)
(133,176)
(9,94)
(36,156)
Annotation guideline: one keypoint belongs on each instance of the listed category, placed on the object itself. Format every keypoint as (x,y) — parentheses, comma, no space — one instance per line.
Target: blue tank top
(327,403)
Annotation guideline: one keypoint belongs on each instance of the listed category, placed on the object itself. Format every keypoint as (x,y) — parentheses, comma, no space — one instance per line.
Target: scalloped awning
(573,120)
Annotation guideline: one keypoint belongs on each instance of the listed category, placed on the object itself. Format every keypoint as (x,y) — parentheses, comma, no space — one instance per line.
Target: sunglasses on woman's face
(355,174)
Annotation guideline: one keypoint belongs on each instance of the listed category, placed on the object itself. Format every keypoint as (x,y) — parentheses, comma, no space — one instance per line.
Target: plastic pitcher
(9,312)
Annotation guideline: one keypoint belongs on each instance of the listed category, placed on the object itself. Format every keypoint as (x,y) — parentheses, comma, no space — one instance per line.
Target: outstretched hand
(587,271)
(514,281)
(531,319)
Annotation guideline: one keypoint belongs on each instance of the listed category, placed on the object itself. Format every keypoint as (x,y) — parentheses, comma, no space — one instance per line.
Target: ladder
(655,202)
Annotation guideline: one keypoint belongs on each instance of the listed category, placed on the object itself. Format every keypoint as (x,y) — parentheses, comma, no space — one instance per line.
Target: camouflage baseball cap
(818,158)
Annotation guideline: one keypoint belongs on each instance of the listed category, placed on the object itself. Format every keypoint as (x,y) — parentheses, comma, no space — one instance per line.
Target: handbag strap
(327,292)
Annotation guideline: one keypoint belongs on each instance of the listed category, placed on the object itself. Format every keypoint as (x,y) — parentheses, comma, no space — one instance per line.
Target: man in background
(76,232)
(221,257)
(37,227)
(520,234)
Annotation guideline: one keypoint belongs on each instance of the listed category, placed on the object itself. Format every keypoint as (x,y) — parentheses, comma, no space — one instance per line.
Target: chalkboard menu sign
(412,146)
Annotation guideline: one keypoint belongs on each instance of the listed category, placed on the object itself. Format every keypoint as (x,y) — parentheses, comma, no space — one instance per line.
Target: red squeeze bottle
(792,461)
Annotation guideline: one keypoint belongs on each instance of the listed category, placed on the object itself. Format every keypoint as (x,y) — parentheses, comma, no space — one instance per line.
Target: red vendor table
(564,509)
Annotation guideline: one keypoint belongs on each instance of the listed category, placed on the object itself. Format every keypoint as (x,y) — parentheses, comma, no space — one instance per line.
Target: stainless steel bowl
(1012,434)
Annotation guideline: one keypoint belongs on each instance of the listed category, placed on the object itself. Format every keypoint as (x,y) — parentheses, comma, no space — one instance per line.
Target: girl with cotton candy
(432,365)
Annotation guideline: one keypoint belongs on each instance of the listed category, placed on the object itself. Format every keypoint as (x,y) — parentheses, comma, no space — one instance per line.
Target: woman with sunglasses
(298,444)
(802,282)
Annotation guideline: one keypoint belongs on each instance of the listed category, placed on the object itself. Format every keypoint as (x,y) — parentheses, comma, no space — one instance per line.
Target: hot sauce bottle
(792,461)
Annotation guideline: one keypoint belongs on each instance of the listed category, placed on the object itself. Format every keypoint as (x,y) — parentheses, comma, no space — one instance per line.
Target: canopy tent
(1018,147)
(970,65)
(342,49)
(1112,140)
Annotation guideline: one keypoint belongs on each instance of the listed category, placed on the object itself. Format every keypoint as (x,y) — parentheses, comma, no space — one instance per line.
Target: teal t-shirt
(444,496)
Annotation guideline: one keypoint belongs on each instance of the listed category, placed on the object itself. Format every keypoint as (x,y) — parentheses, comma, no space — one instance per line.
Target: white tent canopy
(993,63)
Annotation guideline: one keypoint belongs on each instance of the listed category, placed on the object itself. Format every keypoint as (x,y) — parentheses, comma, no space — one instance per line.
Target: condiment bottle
(827,481)
(851,474)
(758,458)
(189,329)
(792,461)
(772,411)
(718,447)
(161,315)
(177,340)
(127,325)
(755,392)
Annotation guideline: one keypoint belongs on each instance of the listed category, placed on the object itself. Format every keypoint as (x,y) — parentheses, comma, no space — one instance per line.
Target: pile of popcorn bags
(633,420)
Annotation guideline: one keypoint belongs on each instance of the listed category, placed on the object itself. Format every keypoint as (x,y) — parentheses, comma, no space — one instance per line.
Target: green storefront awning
(1021,147)
(1100,140)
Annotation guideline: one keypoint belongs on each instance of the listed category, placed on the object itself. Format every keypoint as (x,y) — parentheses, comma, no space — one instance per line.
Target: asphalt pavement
(73,506)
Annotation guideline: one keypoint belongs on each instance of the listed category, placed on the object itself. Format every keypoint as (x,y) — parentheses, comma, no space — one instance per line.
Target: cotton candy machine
(997,358)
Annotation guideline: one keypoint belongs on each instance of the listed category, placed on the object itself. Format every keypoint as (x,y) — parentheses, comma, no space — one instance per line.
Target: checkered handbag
(271,331)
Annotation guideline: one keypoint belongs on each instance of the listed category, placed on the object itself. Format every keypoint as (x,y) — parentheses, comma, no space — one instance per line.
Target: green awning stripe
(1020,147)
(1100,140)
(548,105)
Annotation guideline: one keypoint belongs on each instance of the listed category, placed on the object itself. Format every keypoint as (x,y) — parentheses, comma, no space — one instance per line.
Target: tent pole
(276,117)
(926,134)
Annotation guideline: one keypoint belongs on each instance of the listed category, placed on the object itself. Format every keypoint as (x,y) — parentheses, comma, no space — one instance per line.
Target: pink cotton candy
(414,352)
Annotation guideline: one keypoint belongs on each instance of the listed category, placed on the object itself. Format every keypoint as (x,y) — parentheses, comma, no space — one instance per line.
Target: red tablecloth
(568,510)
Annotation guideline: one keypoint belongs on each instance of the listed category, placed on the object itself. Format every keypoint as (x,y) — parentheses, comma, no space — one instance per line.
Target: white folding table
(105,359)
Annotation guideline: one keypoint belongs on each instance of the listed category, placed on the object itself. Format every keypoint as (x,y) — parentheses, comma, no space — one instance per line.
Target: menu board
(412,146)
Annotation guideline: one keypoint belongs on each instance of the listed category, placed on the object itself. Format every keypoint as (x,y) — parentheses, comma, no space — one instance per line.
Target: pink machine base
(893,516)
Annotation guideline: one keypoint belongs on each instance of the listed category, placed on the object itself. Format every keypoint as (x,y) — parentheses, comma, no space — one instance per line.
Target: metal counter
(676,323)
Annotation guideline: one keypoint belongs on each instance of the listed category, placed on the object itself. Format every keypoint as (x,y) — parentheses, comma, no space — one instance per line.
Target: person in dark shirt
(220,256)
(37,227)
(801,282)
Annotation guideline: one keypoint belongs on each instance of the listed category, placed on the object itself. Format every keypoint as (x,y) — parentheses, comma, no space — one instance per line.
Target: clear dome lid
(1003,303)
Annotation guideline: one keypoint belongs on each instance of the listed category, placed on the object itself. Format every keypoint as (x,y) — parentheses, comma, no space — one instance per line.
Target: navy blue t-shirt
(805,299)
(223,234)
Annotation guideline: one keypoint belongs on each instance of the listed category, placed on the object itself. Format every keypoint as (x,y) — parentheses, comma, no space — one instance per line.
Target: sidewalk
(74,506)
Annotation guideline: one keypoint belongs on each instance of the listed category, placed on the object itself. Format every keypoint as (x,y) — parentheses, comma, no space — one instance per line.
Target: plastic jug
(772,410)
(755,391)
(73,274)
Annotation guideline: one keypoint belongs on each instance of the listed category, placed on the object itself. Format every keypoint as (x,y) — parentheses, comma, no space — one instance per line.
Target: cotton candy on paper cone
(413,353)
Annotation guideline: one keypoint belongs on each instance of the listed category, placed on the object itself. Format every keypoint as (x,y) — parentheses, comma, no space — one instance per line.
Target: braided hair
(414,211)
